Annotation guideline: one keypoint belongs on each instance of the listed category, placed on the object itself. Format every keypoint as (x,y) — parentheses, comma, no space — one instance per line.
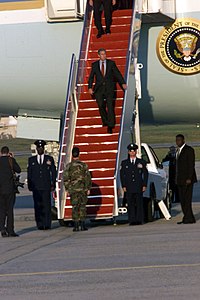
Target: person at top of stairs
(107,6)
(105,71)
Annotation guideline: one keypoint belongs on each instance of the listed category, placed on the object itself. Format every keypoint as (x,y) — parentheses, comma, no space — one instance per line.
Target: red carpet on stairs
(98,148)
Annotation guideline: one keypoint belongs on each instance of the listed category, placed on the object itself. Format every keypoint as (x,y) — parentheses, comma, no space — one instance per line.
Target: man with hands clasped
(134,177)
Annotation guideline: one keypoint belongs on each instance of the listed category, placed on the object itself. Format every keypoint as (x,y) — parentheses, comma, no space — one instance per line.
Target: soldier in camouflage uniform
(77,181)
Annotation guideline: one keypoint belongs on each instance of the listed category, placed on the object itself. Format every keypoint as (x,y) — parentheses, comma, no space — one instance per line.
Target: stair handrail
(130,57)
(83,53)
(74,87)
(71,93)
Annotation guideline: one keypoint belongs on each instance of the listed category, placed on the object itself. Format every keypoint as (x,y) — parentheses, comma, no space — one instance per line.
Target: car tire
(151,204)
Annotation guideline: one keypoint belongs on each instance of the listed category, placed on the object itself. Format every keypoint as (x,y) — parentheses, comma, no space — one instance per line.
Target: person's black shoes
(44,227)
(108,31)
(76,226)
(4,234)
(99,34)
(83,227)
(184,222)
(13,234)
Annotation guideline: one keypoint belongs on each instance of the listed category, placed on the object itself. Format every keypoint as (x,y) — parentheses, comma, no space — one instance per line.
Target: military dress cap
(40,143)
(132,147)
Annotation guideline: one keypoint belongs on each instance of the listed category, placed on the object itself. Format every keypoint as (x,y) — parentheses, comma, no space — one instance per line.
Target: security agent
(41,181)
(134,177)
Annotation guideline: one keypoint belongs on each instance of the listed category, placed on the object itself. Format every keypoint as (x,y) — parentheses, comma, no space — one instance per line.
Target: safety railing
(132,54)
(66,141)
(75,86)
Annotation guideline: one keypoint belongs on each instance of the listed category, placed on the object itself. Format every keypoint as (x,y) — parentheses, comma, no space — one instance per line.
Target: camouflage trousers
(78,202)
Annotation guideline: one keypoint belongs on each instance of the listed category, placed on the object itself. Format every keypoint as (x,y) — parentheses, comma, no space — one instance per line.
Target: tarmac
(158,260)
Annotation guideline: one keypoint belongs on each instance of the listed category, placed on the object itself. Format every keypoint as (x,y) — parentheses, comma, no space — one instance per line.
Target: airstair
(82,124)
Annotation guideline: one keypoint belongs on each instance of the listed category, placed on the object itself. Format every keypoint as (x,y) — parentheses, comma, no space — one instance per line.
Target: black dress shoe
(181,222)
(4,234)
(47,228)
(110,130)
(40,227)
(13,234)
(108,31)
(99,34)
(190,222)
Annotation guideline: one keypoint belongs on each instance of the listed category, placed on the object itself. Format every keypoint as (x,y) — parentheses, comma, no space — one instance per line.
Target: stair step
(97,44)
(116,36)
(122,12)
(86,121)
(95,129)
(123,28)
(97,147)
(109,53)
(93,211)
(102,173)
(117,20)
(94,112)
(92,103)
(103,182)
(98,164)
(97,139)
(99,156)
(86,96)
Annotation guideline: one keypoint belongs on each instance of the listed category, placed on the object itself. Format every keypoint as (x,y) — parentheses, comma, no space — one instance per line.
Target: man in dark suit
(105,72)
(125,4)
(185,178)
(107,7)
(134,177)
(8,166)
(41,181)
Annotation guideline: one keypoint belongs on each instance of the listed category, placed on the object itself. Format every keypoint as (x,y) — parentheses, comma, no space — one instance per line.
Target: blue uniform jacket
(41,177)
(133,176)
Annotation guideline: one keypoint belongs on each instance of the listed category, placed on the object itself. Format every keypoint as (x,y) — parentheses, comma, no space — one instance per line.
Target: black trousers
(107,6)
(185,196)
(42,206)
(6,211)
(125,4)
(106,107)
(135,208)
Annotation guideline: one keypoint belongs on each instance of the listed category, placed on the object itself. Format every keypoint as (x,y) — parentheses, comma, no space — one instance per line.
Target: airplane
(38,38)
(156,46)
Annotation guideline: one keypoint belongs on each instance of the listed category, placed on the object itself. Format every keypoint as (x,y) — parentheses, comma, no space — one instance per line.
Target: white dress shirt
(100,65)
(42,159)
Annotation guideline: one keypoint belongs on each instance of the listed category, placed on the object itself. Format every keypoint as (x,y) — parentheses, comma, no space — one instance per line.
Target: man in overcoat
(134,177)
(42,181)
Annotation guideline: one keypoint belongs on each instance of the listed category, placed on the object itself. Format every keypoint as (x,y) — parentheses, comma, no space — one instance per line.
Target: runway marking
(100,270)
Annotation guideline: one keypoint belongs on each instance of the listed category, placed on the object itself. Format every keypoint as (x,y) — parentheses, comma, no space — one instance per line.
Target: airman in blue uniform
(41,181)
(134,177)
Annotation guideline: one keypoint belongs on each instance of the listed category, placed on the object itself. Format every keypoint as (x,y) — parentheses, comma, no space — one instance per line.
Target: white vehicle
(157,189)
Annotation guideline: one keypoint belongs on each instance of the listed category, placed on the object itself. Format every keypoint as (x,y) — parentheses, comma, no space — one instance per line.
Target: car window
(155,157)
(144,155)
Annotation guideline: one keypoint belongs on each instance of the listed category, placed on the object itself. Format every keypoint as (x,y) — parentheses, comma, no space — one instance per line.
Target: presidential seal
(178,47)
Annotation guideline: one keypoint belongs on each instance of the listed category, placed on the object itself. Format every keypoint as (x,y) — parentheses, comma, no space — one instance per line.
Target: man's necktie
(178,153)
(102,68)
(40,160)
